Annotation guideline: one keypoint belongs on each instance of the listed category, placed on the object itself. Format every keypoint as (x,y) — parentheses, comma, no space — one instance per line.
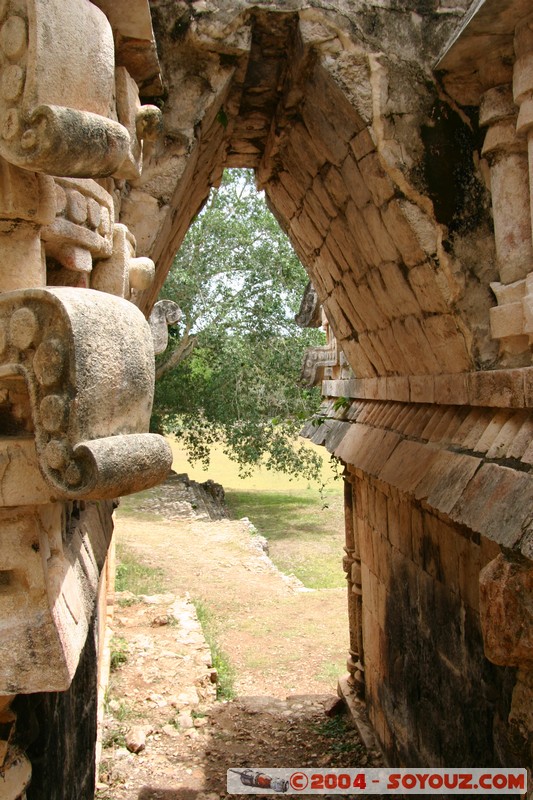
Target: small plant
(125,602)
(119,653)
(225,670)
(114,737)
(135,577)
(341,403)
(124,711)
(344,739)
(330,671)
(174,721)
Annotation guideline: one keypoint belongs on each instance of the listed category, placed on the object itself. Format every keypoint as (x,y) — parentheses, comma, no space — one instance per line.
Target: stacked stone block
(363,244)
(423,648)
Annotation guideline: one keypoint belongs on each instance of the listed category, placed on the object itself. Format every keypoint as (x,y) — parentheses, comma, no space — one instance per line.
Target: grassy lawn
(303,522)
(304,536)
(137,578)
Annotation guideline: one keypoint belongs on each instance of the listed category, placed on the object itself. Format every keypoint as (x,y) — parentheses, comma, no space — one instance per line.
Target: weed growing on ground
(119,653)
(126,602)
(137,578)
(174,721)
(341,733)
(115,737)
(124,711)
(225,670)
(330,670)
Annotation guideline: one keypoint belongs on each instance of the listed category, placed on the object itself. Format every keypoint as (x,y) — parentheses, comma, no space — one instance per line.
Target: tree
(232,368)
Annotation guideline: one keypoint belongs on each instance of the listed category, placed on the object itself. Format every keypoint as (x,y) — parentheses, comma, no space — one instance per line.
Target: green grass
(343,739)
(225,670)
(135,577)
(330,671)
(303,522)
(123,712)
(115,737)
(305,530)
(119,653)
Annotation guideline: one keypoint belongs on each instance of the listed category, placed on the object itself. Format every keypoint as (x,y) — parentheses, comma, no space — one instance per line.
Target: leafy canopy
(231,372)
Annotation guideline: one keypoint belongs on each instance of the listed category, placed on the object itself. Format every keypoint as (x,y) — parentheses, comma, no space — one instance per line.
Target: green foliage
(337,729)
(115,737)
(119,653)
(341,403)
(239,284)
(225,670)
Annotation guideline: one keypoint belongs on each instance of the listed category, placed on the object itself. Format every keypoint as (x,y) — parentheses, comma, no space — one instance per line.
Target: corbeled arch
(381,180)
(338,133)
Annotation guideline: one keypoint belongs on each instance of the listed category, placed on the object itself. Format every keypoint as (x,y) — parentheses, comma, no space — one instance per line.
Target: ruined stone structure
(76,373)
(394,141)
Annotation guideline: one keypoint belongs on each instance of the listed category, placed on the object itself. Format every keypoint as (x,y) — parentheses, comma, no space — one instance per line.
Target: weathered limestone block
(25,195)
(27,201)
(21,481)
(55,116)
(7,729)
(521,715)
(523,91)
(55,120)
(509,184)
(506,607)
(82,229)
(123,273)
(135,48)
(15,775)
(87,360)
(141,122)
(50,571)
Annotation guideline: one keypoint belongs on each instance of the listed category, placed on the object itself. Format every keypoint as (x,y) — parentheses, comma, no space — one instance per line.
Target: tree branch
(182,351)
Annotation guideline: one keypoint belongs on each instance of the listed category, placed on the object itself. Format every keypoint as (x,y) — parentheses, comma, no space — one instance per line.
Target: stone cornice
(501,388)
(471,464)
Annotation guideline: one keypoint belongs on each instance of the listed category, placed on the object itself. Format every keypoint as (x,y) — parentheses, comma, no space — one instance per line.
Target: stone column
(506,154)
(523,97)
(523,91)
(352,567)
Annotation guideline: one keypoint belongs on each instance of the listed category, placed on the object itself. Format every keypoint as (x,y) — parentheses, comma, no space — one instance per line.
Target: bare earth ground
(285,644)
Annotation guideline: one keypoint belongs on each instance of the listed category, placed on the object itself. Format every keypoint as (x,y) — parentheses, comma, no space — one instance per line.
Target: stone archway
(335,131)
(377,172)
(374,174)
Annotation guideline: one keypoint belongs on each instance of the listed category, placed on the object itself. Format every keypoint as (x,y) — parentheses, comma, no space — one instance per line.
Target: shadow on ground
(266,732)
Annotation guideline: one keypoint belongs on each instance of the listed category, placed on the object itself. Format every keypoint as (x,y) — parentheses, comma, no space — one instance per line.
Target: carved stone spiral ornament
(87,360)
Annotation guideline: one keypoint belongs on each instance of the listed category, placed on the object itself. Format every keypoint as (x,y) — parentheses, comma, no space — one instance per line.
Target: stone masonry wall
(58,732)
(438,562)
(433,697)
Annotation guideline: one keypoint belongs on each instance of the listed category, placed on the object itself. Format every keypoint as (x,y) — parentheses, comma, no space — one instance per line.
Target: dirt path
(286,644)
(279,639)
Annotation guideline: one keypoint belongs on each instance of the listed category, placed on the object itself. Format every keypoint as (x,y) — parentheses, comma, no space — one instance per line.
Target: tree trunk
(182,351)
